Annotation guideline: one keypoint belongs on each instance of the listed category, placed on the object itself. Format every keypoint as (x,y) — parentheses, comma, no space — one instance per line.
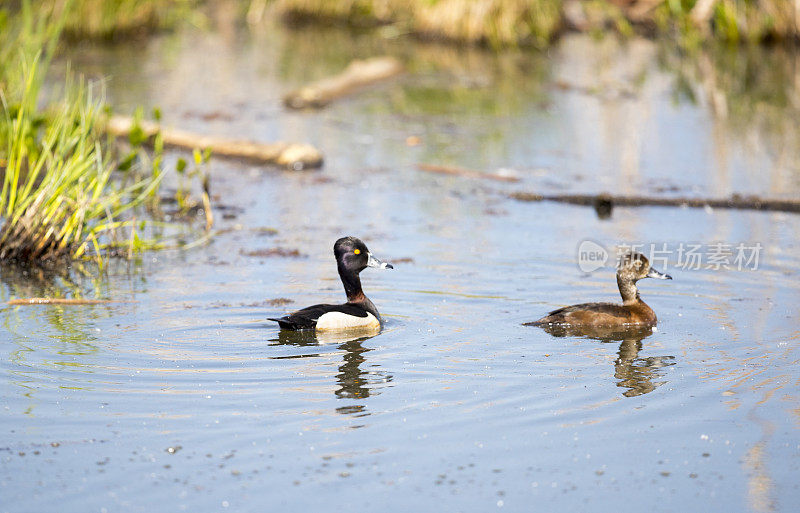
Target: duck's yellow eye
(357,251)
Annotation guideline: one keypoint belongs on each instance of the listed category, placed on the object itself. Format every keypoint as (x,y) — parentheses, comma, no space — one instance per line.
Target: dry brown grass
(493,22)
(536,22)
(103,19)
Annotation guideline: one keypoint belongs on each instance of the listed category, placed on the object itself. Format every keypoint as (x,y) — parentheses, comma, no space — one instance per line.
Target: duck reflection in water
(354,382)
(637,375)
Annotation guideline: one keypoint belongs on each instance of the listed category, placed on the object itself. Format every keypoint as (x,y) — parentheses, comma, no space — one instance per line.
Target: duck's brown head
(635,266)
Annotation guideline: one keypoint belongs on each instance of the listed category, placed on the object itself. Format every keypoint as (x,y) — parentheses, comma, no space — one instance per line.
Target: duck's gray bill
(374,262)
(652,273)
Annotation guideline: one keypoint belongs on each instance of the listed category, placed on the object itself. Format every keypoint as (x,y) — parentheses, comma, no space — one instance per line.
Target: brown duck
(633,312)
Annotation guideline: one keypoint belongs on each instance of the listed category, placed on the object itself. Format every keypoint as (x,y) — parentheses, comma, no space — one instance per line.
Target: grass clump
(63,193)
(58,196)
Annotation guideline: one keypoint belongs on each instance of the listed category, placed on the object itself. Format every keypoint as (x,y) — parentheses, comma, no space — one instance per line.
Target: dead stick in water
(292,155)
(358,74)
(609,201)
(469,173)
(61,301)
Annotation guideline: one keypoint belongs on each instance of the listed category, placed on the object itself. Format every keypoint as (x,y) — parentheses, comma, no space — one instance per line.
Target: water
(183,397)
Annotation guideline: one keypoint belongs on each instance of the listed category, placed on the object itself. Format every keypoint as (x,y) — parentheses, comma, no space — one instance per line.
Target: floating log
(358,74)
(468,173)
(290,155)
(60,301)
(605,202)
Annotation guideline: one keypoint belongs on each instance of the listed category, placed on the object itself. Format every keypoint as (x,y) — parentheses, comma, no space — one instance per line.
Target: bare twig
(207,211)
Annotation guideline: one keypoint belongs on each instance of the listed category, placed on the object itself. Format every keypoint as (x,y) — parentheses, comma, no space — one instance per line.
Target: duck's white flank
(335,321)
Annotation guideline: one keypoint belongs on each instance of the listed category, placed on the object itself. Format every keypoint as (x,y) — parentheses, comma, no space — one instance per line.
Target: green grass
(65,192)
(59,197)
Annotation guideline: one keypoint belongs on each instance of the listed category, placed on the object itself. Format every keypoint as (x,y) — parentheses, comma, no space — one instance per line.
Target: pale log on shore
(358,74)
(467,173)
(60,301)
(607,201)
(291,155)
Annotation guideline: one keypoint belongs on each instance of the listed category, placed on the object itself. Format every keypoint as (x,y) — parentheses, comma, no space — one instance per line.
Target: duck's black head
(352,255)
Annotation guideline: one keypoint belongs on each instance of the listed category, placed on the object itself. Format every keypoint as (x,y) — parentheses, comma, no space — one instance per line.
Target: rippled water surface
(183,397)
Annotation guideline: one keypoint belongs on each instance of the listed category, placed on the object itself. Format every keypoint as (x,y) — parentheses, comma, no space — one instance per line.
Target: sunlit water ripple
(186,398)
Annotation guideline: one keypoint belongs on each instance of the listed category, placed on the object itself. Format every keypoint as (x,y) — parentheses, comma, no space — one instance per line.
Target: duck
(359,313)
(632,313)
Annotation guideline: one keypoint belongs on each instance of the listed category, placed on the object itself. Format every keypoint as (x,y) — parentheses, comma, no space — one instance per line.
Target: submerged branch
(358,74)
(468,173)
(292,155)
(61,301)
(603,203)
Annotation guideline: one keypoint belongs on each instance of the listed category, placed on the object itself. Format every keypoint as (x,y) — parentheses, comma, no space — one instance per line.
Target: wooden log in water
(291,155)
(608,201)
(358,74)
(467,173)
(60,301)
